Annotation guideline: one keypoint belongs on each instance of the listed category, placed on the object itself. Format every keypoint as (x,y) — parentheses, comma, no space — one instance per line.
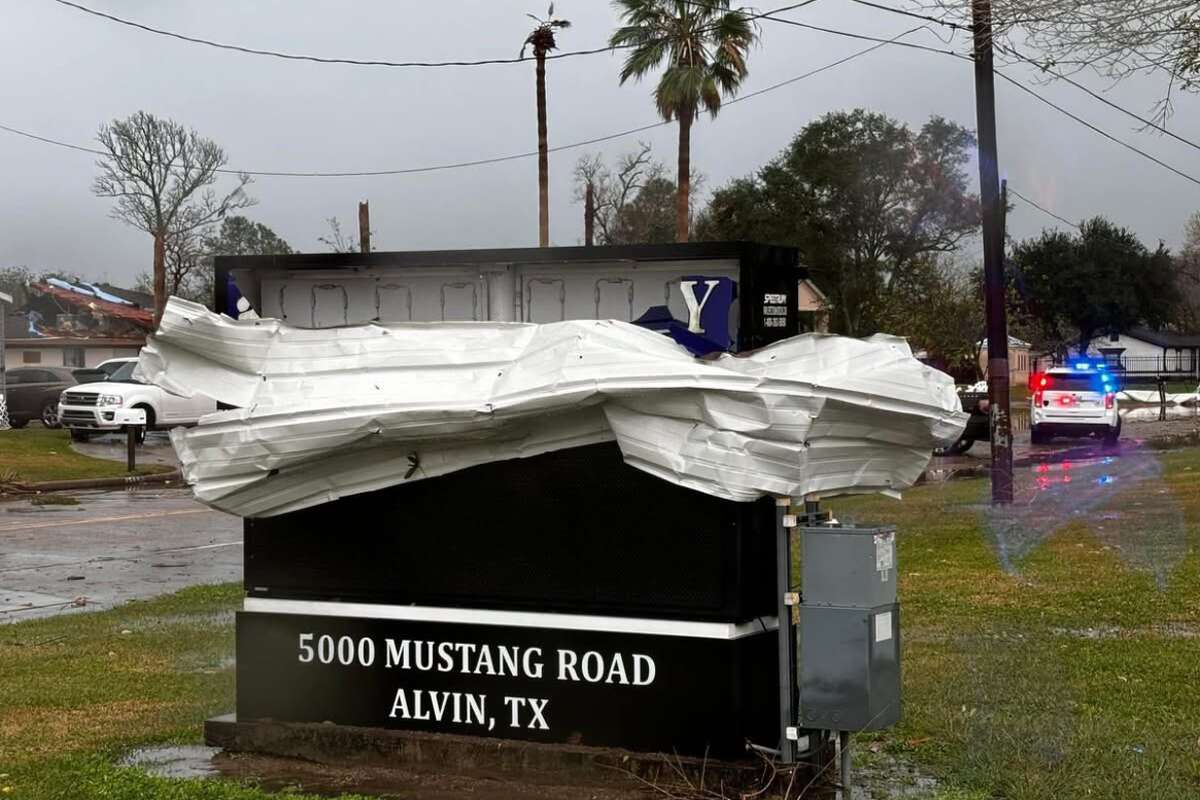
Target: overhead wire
(361,62)
(764,15)
(1041,208)
(483,161)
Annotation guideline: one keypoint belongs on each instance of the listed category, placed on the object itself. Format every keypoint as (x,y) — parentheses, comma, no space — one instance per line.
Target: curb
(97,483)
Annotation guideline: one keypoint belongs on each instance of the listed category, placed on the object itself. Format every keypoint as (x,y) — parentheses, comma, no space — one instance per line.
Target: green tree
(15,281)
(160,174)
(189,270)
(866,201)
(240,236)
(704,47)
(542,41)
(938,306)
(1077,286)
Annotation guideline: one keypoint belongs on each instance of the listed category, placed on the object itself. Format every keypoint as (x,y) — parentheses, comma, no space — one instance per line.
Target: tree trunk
(589,215)
(543,156)
(684,177)
(160,275)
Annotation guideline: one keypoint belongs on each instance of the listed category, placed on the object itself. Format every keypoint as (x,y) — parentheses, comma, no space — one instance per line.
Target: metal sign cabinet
(561,598)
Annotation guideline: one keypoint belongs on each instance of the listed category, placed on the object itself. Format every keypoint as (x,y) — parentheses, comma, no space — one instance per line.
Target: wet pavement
(156,449)
(114,546)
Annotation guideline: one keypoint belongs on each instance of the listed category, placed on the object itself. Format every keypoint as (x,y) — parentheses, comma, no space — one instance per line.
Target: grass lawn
(78,691)
(43,454)
(1074,675)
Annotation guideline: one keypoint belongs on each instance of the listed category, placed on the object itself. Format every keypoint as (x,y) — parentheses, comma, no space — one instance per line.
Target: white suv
(1076,400)
(91,407)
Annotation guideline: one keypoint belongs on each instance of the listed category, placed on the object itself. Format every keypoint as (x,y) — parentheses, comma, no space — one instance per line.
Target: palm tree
(542,42)
(704,46)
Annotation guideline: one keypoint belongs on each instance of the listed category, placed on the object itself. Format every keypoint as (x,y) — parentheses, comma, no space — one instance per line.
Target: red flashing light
(1108,400)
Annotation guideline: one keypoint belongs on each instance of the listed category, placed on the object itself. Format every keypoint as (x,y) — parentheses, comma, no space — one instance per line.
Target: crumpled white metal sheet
(327,413)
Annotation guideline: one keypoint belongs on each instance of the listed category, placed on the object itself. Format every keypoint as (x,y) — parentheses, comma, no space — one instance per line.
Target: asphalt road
(111,548)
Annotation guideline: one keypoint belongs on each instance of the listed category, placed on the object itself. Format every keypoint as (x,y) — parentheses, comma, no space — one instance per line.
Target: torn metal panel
(327,413)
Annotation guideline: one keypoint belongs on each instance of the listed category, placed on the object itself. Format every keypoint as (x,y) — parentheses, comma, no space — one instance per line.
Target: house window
(31,356)
(73,357)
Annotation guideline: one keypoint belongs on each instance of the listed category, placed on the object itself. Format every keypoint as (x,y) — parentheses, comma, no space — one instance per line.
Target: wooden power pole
(589,215)
(364,226)
(993,255)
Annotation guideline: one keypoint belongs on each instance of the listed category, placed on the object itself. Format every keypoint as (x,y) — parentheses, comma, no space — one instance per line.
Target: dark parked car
(33,394)
(978,426)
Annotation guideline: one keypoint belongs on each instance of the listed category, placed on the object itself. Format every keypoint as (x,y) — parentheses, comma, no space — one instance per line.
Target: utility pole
(993,255)
(589,215)
(364,227)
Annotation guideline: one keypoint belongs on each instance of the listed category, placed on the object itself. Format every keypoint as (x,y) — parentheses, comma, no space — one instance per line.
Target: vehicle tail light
(1037,384)
(1108,400)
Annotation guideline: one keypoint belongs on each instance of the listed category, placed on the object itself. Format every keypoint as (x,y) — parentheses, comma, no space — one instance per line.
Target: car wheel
(79,435)
(18,423)
(50,416)
(1111,437)
(957,448)
(1036,436)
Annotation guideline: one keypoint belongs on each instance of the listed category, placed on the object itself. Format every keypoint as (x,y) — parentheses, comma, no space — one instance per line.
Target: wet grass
(78,691)
(42,454)
(1073,674)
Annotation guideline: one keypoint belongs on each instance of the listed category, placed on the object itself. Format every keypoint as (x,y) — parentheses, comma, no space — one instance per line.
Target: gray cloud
(67,72)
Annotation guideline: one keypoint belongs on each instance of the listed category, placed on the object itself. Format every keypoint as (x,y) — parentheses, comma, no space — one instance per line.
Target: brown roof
(139,316)
(77,341)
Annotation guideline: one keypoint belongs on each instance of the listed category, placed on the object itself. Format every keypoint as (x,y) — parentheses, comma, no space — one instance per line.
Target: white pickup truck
(92,407)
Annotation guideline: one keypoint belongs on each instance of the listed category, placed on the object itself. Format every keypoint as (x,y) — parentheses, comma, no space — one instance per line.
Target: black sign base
(659,686)
(566,768)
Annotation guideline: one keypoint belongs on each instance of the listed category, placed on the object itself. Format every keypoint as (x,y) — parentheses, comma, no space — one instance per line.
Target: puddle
(1054,489)
(175,761)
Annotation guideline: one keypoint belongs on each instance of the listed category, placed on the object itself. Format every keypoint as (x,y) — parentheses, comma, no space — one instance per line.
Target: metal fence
(1180,364)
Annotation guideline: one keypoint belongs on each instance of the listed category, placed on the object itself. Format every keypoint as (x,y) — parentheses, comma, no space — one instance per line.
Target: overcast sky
(66,72)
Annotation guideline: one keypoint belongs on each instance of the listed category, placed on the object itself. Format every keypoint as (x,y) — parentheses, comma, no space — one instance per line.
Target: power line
(484,161)
(1094,129)
(913,15)
(366,62)
(358,62)
(768,15)
(1009,49)
(1042,208)
(765,15)
(1148,123)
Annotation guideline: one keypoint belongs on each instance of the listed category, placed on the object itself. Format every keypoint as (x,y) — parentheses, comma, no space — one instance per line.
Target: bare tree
(160,175)
(612,190)
(339,241)
(622,206)
(1116,40)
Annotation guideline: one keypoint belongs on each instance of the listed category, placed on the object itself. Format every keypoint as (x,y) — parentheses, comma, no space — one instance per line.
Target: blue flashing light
(1082,365)
(1100,365)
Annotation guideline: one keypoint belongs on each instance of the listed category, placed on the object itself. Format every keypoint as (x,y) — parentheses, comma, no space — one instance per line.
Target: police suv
(1079,399)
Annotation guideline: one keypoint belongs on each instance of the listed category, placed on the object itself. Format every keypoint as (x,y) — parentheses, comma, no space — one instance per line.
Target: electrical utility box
(849,629)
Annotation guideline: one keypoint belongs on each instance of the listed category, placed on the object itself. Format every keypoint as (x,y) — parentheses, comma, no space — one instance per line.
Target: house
(813,306)
(74,325)
(1147,352)
(1020,360)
